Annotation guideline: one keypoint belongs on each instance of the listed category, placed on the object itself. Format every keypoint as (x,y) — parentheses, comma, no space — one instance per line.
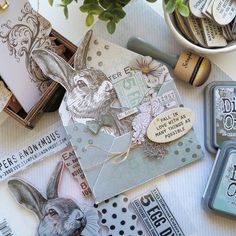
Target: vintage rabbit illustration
(58,216)
(89,93)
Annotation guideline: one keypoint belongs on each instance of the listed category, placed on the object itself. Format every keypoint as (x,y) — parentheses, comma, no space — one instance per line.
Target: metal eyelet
(4,4)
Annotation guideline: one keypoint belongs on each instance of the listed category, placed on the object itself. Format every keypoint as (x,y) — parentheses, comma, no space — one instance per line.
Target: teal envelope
(108,176)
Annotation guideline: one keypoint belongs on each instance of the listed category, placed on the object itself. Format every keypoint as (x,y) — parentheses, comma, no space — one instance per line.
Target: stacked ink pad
(220,137)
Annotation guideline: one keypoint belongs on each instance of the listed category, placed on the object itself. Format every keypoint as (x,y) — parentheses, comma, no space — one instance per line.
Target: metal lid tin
(220,192)
(220,113)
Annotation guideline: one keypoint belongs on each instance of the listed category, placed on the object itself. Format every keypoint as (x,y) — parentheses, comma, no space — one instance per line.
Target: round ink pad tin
(220,113)
(220,193)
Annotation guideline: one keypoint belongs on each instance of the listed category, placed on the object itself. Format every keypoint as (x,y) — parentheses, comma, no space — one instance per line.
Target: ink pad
(220,193)
(220,114)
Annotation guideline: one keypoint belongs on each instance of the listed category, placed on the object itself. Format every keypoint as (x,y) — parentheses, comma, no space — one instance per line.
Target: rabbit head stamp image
(57,216)
(90,94)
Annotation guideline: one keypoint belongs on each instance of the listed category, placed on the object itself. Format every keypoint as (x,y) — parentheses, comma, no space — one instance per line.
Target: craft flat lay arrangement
(101,135)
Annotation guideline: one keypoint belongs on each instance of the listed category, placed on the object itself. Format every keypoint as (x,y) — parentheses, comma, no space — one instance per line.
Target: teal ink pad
(220,114)
(220,192)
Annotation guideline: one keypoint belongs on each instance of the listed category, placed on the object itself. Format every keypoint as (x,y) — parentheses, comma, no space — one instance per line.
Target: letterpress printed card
(22,30)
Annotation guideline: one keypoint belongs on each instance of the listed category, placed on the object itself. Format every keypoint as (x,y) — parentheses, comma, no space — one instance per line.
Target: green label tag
(131,90)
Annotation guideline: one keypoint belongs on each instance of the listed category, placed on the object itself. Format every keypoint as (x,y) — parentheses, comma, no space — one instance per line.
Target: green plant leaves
(179,5)
(89,19)
(170,6)
(110,11)
(66,12)
(50,2)
(183,10)
(111,27)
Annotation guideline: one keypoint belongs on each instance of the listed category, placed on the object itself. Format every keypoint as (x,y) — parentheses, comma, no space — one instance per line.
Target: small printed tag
(72,164)
(209,10)
(156,215)
(46,145)
(168,99)
(205,7)
(196,7)
(127,113)
(5,228)
(195,29)
(170,125)
(131,90)
(224,11)
(213,33)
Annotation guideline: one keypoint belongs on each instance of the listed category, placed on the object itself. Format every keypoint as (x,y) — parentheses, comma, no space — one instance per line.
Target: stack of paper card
(211,23)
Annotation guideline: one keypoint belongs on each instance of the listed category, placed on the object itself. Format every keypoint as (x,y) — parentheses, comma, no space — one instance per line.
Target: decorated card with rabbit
(112,97)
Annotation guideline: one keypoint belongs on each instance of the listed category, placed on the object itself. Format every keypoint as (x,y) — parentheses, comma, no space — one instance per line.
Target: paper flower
(155,150)
(156,107)
(148,111)
(92,227)
(154,72)
(140,125)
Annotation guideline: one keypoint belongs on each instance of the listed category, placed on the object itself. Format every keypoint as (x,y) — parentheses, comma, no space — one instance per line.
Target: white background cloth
(187,184)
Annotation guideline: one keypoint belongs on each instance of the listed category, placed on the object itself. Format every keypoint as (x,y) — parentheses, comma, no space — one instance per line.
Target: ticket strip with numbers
(72,164)
(211,23)
(156,215)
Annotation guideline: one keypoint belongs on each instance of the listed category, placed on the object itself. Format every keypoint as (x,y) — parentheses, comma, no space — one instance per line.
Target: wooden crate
(53,94)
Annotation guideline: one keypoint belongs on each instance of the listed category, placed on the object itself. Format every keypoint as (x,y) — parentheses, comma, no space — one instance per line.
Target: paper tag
(170,125)
(205,8)
(5,228)
(156,215)
(183,26)
(209,10)
(234,26)
(47,145)
(127,113)
(196,30)
(72,164)
(227,33)
(168,99)
(5,96)
(213,33)
(224,11)
(196,7)
(131,90)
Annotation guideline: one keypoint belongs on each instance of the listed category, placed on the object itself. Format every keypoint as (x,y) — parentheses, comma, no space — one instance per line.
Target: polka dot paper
(118,218)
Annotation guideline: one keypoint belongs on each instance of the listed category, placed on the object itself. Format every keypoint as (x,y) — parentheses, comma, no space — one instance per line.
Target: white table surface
(187,183)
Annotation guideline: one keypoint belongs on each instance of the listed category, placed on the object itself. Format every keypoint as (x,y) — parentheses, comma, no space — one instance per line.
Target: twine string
(112,155)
